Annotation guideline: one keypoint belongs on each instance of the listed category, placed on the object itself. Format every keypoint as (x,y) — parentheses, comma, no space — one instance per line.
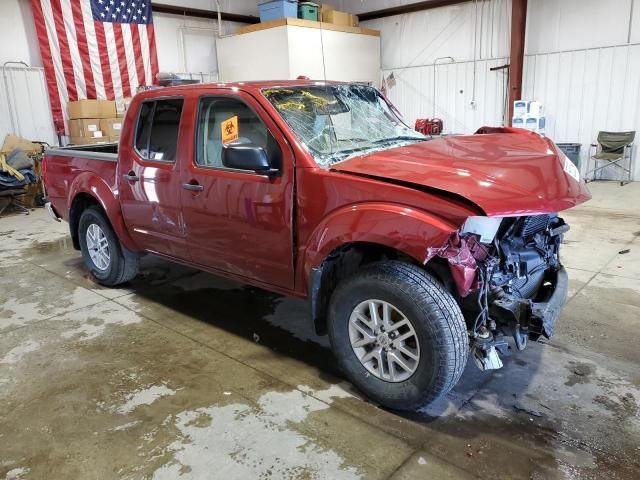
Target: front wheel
(398,334)
(108,261)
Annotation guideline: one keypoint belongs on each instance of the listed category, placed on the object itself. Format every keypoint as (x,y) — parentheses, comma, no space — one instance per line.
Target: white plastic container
(536,109)
(535,123)
(517,122)
(520,108)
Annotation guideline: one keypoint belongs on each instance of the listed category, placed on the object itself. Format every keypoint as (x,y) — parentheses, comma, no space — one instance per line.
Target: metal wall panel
(577,63)
(585,91)
(413,94)
(24,105)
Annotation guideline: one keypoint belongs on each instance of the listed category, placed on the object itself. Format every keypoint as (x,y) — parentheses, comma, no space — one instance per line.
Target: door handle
(194,187)
(131,177)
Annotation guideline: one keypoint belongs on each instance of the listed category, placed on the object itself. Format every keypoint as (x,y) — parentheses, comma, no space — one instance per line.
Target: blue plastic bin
(276,9)
(571,150)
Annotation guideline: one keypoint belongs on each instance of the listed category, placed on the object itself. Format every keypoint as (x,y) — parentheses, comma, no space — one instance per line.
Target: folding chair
(12,194)
(615,149)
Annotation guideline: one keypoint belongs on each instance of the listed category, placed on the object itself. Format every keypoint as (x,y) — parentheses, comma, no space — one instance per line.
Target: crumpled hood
(505,174)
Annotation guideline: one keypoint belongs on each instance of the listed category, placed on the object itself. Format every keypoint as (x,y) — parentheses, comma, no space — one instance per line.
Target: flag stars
(144,18)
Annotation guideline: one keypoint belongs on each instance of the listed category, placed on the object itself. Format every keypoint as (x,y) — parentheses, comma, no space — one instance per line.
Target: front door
(239,221)
(149,183)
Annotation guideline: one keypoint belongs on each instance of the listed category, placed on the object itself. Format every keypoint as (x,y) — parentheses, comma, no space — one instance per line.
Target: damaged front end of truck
(509,280)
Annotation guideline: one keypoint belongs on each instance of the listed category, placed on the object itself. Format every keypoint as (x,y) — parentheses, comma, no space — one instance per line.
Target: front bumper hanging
(537,318)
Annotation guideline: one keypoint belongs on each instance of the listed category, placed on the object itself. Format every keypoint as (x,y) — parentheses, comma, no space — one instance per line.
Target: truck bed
(67,168)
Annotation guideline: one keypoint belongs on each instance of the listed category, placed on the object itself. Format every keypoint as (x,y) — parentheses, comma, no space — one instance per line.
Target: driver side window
(224,121)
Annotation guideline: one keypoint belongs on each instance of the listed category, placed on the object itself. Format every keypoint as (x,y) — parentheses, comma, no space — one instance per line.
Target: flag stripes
(102,49)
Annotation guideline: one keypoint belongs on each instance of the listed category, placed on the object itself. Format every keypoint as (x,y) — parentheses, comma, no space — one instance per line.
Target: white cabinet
(287,48)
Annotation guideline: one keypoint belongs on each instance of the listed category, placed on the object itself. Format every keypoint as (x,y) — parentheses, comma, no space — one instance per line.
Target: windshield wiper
(398,138)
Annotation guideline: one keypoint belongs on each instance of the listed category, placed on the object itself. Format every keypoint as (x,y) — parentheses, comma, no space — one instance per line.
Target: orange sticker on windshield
(229,130)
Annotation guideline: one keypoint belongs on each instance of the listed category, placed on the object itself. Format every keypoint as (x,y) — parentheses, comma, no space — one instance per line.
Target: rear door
(239,221)
(149,183)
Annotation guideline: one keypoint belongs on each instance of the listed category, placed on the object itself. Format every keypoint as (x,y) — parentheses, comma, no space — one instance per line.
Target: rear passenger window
(157,131)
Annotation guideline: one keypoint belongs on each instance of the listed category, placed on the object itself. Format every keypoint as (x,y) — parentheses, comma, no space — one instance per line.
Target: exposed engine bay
(509,279)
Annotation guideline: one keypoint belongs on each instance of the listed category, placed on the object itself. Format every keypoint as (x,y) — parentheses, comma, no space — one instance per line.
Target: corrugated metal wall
(24,104)
(584,90)
(449,95)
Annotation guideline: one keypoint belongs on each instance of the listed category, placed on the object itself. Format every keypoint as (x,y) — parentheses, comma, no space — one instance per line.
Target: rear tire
(108,262)
(436,331)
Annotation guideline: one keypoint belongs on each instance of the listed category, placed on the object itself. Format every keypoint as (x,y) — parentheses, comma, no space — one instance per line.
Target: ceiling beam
(200,13)
(408,8)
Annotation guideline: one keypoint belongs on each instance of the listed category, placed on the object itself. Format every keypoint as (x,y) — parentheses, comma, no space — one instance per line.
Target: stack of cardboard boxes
(330,15)
(96,121)
(529,115)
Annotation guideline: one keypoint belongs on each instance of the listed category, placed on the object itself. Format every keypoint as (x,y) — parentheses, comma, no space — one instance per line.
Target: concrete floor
(185,375)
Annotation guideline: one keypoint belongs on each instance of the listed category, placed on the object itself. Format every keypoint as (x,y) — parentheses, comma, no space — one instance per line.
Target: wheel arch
(362,234)
(89,190)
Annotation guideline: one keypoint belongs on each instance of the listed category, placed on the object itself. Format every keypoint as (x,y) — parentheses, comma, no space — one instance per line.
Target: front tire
(108,262)
(398,334)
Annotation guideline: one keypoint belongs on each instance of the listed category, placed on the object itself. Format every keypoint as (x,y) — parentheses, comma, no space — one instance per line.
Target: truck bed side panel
(62,178)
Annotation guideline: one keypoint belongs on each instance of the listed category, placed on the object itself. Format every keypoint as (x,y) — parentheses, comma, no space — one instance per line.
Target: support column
(518,28)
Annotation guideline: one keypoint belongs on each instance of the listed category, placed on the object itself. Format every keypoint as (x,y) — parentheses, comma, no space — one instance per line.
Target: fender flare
(406,229)
(89,183)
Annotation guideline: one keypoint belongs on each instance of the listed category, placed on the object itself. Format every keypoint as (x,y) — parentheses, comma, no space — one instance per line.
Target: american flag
(91,49)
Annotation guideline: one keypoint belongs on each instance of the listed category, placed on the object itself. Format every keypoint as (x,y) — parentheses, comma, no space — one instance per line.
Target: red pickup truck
(414,253)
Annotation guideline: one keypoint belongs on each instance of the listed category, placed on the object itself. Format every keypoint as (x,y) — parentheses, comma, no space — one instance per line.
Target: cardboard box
(330,15)
(122,105)
(111,127)
(11,142)
(92,109)
(88,140)
(84,127)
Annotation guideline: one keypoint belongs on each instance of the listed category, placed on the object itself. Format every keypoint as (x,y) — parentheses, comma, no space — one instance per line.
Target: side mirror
(246,156)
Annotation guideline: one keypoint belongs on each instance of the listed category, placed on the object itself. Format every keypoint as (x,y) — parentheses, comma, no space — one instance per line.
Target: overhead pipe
(14,130)
(435,64)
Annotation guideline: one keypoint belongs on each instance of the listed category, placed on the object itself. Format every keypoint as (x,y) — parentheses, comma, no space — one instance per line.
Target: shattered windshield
(337,122)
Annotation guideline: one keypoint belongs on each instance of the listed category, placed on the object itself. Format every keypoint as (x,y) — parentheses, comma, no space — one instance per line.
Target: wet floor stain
(621,406)
(252,441)
(150,405)
(578,373)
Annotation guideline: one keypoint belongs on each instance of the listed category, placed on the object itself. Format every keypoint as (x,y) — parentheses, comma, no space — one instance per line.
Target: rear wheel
(398,334)
(108,261)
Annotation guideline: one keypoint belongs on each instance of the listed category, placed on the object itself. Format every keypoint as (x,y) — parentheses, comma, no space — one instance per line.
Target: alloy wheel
(384,340)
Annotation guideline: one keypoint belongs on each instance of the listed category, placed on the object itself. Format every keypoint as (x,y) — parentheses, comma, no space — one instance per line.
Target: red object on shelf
(429,126)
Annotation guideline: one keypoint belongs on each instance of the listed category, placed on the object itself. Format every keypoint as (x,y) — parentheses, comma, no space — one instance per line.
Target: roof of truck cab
(246,86)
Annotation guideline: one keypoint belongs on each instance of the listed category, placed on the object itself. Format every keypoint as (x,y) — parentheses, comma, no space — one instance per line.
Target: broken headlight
(485,227)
